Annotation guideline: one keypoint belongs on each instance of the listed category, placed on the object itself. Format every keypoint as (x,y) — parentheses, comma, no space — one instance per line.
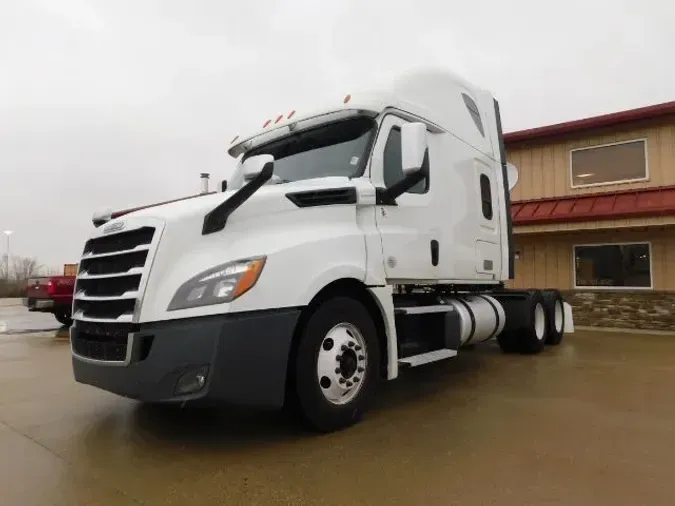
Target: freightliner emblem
(113,227)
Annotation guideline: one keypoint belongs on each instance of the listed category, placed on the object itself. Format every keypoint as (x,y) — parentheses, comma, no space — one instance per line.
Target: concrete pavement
(589,423)
(15,318)
(9,301)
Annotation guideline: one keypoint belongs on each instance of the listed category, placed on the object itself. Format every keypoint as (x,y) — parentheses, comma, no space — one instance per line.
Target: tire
(526,326)
(509,341)
(533,337)
(333,381)
(555,312)
(64,319)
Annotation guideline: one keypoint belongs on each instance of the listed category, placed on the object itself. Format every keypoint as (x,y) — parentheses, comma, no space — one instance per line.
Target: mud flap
(569,319)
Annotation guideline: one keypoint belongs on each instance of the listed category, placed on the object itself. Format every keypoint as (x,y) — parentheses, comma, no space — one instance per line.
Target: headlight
(220,284)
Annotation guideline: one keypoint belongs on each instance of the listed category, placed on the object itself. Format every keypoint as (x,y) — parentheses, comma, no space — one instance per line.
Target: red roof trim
(117,214)
(643,203)
(605,120)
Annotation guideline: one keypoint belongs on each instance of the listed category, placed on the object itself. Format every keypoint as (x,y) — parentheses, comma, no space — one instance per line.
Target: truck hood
(271,198)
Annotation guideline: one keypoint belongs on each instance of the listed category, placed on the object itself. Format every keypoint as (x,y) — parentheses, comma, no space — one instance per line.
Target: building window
(474,112)
(613,266)
(486,196)
(393,164)
(621,162)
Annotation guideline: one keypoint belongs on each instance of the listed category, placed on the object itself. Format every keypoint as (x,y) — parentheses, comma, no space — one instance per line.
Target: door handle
(434,252)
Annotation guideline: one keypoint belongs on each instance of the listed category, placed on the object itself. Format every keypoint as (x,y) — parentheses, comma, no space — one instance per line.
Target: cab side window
(392,165)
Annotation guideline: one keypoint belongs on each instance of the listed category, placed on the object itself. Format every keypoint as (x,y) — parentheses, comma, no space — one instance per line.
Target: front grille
(113,264)
(120,242)
(109,281)
(108,342)
(106,309)
(110,287)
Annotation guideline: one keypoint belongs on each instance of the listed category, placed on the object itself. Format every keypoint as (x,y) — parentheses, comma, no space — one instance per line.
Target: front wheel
(337,365)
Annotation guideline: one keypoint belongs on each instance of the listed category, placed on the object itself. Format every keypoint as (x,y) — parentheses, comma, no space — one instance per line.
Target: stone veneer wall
(646,310)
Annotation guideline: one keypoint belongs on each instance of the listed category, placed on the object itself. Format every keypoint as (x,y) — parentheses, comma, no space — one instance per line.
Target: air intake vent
(330,197)
(107,342)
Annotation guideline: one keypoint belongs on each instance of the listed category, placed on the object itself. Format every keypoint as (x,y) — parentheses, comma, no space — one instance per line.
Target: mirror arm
(215,220)
(402,186)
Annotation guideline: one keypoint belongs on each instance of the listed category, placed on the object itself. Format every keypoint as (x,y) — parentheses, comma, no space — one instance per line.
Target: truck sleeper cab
(351,242)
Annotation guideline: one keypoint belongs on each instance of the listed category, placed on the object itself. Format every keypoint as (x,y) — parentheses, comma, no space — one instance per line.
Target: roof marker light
(279,118)
(267,123)
(347,98)
(290,114)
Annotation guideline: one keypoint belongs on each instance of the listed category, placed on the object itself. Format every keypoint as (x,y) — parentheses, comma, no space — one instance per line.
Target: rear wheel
(555,311)
(526,324)
(534,336)
(337,365)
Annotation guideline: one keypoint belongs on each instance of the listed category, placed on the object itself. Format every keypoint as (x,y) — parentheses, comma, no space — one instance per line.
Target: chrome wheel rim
(558,316)
(539,321)
(342,364)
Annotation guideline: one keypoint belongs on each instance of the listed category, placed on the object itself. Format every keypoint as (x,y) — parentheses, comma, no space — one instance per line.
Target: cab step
(426,358)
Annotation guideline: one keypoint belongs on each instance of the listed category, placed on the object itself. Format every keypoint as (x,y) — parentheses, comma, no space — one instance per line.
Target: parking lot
(591,422)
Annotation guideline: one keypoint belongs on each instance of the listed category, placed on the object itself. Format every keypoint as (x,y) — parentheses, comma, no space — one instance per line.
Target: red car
(51,295)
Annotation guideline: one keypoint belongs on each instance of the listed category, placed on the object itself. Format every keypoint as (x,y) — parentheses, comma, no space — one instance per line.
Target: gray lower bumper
(246,356)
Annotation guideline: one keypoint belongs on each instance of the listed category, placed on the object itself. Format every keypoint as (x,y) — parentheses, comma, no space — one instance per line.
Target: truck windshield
(336,149)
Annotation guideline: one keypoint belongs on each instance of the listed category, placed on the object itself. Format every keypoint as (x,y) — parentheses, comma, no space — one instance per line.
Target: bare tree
(51,271)
(24,268)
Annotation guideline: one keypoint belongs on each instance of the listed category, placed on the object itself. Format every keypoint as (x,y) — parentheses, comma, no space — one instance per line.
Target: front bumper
(246,356)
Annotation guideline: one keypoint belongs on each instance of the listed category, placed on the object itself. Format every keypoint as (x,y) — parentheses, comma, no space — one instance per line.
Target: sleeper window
(486,196)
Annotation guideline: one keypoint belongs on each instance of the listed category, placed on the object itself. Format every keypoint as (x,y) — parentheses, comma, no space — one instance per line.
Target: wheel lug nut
(342,381)
(357,348)
(337,370)
(351,343)
(361,357)
(349,383)
(343,347)
(356,379)
(338,358)
(360,369)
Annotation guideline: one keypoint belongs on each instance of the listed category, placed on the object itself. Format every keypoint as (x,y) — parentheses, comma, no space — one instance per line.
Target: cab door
(404,225)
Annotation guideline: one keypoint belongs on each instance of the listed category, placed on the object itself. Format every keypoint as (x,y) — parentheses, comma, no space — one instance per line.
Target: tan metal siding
(546,259)
(544,166)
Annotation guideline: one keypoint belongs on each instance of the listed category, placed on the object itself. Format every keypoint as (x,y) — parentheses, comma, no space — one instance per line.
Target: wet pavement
(589,423)
(15,318)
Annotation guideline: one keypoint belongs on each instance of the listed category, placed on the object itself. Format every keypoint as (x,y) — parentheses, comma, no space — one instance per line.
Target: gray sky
(114,103)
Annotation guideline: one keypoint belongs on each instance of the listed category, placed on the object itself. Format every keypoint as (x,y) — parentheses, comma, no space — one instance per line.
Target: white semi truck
(349,243)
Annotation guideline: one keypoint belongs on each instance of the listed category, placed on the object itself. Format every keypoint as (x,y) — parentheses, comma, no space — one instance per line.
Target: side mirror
(512,175)
(413,147)
(223,185)
(254,165)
